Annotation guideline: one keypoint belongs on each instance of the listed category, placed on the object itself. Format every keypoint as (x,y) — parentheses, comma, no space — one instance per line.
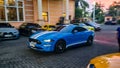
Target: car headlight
(48,40)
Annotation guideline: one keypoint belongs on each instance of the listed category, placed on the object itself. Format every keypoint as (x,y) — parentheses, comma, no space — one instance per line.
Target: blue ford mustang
(59,40)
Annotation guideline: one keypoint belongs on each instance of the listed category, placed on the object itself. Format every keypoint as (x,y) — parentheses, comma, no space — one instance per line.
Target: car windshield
(51,26)
(82,24)
(67,29)
(59,28)
(5,25)
(31,25)
(93,23)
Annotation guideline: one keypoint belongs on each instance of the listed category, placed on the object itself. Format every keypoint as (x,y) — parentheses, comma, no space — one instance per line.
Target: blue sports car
(62,38)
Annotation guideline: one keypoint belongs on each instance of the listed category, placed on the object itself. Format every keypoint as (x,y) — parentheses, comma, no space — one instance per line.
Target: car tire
(89,41)
(60,46)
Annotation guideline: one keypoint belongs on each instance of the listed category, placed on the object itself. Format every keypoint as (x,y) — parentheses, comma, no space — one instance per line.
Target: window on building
(1,2)
(10,2)
(45,16)
(11,10)
(2,13)
(12,14)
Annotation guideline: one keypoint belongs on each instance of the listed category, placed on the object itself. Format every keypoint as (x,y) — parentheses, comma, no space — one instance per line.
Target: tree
(82,11)
(78,13)
(114,9)
(83,4)
(99,14)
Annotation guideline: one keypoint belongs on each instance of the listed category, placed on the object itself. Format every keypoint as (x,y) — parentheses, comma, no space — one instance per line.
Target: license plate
(32,44)
(8,35)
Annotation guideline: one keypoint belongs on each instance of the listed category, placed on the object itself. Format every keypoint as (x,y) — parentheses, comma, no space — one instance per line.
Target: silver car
(8,32)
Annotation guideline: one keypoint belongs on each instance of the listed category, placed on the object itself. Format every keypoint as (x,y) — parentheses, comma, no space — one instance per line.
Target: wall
(29,13)
(56,9)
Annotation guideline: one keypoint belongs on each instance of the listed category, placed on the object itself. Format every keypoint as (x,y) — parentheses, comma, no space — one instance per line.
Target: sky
(105,3)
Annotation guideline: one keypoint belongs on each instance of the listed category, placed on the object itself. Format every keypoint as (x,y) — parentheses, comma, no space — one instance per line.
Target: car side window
(78,29)
(37,25)
(23,25)
(81,29)
(75,30)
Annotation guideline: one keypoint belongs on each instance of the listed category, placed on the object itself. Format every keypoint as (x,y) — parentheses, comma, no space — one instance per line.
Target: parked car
(95,25)
(114,21)
(28,29)
(7,31)
(49,27)
(60,39)
(108,22)
(105,61)
(87,27)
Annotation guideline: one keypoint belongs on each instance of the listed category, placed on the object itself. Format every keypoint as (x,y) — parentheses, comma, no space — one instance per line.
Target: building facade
(37,11)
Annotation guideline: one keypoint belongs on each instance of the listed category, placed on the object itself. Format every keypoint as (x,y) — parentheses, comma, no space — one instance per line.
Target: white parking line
(106,42)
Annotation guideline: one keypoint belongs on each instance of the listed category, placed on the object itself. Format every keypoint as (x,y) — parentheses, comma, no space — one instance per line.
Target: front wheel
(60,47)
(89,41)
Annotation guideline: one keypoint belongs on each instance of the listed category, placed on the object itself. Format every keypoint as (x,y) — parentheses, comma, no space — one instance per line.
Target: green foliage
(78,13)
(83,4)
(99,15)
(81,12)
(112,11)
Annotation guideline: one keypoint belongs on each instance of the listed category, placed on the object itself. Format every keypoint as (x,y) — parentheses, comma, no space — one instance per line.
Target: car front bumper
(41,47)
(5,37)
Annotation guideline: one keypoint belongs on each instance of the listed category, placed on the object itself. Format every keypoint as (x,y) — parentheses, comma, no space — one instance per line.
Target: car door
(83,34)
(79,35)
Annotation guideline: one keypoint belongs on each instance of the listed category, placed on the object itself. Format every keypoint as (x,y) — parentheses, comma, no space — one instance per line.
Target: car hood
(8,30)
(107,61)
(46,35)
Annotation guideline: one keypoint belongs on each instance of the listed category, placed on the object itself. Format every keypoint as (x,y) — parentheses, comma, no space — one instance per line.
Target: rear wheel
(89,41)
(60,46)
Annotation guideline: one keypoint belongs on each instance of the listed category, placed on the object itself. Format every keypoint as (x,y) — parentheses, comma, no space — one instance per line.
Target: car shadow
(76,46)
(42,53)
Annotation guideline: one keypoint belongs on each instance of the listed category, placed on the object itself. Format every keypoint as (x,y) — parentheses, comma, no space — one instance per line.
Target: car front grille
(34,40)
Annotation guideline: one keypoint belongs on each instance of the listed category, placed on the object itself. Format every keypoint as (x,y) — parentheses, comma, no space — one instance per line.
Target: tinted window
(51,26)
(23,25)
(78,29)
(33,25)
(59,28)
(87,24)
(82,24)
(67,29)
(45,26)
(82,29)
(5,25)
(30,25)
